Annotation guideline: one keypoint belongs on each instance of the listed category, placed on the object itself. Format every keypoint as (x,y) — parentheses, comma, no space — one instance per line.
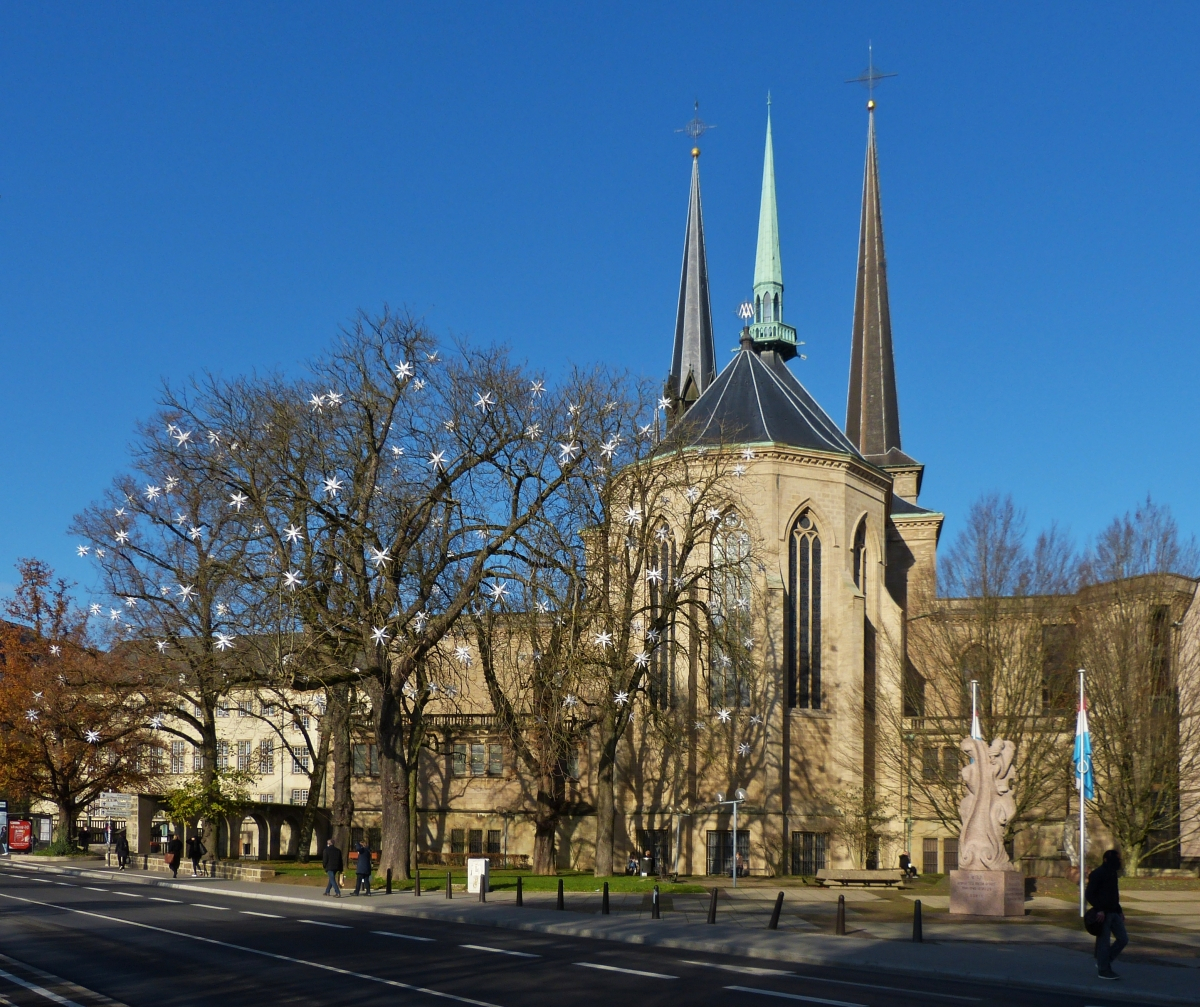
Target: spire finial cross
(697,127)
(870,77)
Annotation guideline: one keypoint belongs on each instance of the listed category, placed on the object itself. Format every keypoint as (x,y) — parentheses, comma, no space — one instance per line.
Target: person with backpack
(331,860)
(122,845)
(196,850)
(362,869)
(1102,892)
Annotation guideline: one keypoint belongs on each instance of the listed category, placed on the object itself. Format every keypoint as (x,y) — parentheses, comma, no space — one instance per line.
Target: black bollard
(774,924)
(654,909)
(917,936)
(712,907)
(841,916)
(520,891)
(483,888)
(560,895)
(389,881)
(449,891)
(417,884)
(604,901)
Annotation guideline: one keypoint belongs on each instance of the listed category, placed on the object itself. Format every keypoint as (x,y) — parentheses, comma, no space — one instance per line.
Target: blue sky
(220,186)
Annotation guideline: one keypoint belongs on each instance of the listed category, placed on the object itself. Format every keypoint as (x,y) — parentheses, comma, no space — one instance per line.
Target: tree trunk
(546,820)
(393,782)
(341,807)
(208,775)
(66,821)
(316,782)
(605,807)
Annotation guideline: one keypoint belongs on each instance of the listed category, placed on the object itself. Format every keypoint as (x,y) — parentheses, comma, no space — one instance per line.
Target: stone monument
(986,883)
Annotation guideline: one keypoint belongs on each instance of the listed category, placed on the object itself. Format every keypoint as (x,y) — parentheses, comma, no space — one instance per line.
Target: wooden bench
(829,876)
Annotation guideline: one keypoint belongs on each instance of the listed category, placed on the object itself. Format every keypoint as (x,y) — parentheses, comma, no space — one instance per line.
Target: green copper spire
(768,330)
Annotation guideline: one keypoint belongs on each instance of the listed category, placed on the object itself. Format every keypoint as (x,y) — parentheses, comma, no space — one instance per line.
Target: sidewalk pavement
(945,953)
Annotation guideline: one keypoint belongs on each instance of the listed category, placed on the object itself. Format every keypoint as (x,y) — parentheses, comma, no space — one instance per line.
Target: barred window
(458,841)
(266,756)
(808,852)
(804,615)
(493,841)
(475,839)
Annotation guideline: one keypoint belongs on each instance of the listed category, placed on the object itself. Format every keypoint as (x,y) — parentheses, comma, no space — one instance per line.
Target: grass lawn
(292,872)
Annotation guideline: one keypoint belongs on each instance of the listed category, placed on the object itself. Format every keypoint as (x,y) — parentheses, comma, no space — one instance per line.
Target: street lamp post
(738,797)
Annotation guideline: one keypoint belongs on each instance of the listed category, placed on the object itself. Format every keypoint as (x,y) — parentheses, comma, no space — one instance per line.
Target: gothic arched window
(860,556)
(778,313)
(729,681)
(758,316)
(804,615)
(660,679)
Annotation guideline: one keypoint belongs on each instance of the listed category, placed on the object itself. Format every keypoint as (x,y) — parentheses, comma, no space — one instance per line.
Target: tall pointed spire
(693,359)
(872,409)
(768,330)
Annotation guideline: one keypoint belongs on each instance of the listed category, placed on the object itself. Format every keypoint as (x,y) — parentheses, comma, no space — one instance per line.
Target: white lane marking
(794,996)
(91,889)
(66,884)
(155,898)
(39,990)
(201,905)
(407,937)
(318,923)
(41,881)
(632,972)
(821,979)
(499,951)
(251,912)
(129,895)
(254,951)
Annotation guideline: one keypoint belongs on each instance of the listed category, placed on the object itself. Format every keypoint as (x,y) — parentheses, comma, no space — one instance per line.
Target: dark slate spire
(693,360)
(872,411)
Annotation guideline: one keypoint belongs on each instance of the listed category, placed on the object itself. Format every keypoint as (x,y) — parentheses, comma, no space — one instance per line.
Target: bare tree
(1141,579)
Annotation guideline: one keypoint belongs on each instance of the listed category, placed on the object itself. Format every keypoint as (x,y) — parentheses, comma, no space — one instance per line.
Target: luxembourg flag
(1083,754)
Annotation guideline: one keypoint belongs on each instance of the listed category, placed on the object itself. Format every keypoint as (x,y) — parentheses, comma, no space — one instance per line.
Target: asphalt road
(92,943)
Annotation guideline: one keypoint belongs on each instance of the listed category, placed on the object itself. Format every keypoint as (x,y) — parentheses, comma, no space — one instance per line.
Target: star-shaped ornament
(437,460)
(333,486)
(379,557)
(92,737)
(82,550)
(498,590)
(723,716)
(621,698)
(641,659)
(570,702)
(379,635)
(161,645)
(654,575)
(743,749)
(31,716)
(224,641)
(462,653)
(292,534)
(604,640)
(484,402)
(536,388)
(404,370)
(238,501)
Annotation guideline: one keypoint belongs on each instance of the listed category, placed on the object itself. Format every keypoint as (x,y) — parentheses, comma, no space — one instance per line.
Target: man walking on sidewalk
(362,869)
(1102,892)
(331,860)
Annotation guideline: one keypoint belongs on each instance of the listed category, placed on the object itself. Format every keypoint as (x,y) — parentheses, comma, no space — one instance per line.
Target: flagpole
(1082,806)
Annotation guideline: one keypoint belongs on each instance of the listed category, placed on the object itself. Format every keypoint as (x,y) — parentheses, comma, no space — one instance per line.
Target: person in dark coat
(1103,893)
(331,860)
(175,849)
(362,869)
(196,850)
(122,851)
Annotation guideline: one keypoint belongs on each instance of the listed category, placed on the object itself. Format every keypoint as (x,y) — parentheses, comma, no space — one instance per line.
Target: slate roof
(906,508)
(757,400)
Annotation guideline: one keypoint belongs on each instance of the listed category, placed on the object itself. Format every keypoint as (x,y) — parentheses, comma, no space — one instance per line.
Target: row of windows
(929,856)
(478,760)
(247,757)
(472,841)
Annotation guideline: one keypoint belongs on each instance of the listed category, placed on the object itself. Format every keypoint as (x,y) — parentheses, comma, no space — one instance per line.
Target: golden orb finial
(870,104)
(695,152)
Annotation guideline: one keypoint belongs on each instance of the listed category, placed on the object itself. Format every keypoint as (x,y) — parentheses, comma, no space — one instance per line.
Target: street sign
(114,805)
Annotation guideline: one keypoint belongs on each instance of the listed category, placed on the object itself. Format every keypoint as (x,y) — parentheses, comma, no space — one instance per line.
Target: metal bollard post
(389,881)
(774,924)
(417,884)
(560,895)
(604,901)
(841,916)
(520,892)
(712,907)
(483,889)
(917,936)
(449,891)
(654,907)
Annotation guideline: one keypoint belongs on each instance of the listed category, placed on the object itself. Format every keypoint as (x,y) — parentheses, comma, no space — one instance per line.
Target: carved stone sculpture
(987,805)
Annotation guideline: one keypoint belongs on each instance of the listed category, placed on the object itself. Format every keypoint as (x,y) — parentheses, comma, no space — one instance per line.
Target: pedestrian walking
(362,869)
(196,850)
(331,860)
(1102,892)
(174,852)
(122,851)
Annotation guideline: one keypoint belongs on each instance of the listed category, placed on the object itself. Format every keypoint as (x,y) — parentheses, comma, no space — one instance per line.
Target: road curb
(499,915)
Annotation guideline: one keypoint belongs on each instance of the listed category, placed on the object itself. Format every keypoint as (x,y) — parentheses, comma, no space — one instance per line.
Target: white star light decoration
(567,452)
(743,749)
(664,404)
(94,608)
(485,402)
(155,722)
(186,591)
(604,640)
(536,388)
(609,447)
(654,575)
(31,716)
(153,492)
(379,635)
(621,698)
(224,641)
(82,550)
(641,659)
(292,534)
(756,720)
(379,557)
(723,716)
(92,737)
(692,493)
(498,590)
(570,702)
(419,621)
(161,645)
(291,579)
(404,370)
(122,537)
(462,654)
(437,460)
(55,650)
(333,486)
(633,515)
